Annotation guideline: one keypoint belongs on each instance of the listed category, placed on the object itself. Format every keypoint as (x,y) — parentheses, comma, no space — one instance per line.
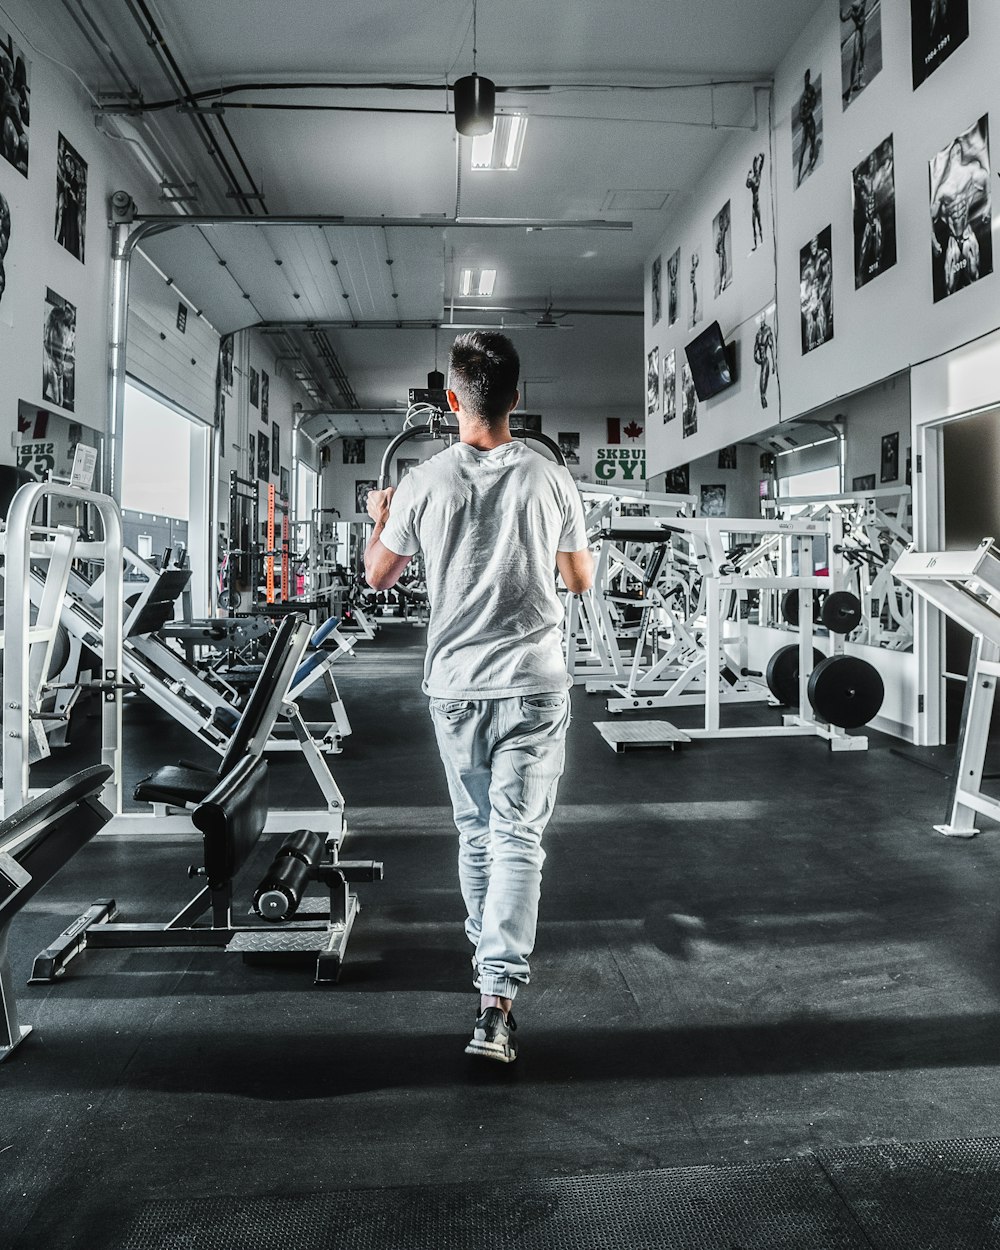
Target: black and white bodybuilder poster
(670,385)
(938,28)
(655,282)
(874,186)
(961,221)
(15,103)
(860,46)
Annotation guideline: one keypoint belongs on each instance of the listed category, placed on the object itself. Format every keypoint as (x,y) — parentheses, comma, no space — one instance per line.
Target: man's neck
(481,436)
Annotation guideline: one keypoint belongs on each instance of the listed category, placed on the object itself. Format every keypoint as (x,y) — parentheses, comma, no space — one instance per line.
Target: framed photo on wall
(59,351)
(713,500)
(275,448)
(874,187)
(961,214)
(807,127)
(937,27)
(362,486)
(15,104)
(353,450)
(652,380)
(816,291)
(889,469)
(655,282)
(677,481)
(860,46)
(254,388)
(70,199)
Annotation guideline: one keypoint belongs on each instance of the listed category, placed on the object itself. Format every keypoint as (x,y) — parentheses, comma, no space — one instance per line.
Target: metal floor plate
(773,1206)
(922,1196)
(283,941)
(645,733)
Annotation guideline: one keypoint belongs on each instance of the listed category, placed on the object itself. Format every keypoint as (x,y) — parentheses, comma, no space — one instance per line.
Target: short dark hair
(484,368)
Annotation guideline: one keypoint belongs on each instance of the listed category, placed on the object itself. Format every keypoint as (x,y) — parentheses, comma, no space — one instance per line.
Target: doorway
(970,451)
(166,457)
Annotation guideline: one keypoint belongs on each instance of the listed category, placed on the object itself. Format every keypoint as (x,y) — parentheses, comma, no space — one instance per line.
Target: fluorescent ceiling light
(477,281)
(501,148)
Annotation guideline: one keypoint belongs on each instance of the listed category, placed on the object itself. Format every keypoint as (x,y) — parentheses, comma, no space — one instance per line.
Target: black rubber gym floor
(758,972)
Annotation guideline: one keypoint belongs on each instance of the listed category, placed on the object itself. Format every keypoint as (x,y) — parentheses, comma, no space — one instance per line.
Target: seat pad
(176,785)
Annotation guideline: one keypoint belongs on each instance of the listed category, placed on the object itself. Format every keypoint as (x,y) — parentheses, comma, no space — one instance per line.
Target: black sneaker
(493,1037)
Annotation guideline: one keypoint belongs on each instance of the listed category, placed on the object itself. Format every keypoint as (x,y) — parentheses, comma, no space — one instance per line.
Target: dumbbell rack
(965,585)
(721,580)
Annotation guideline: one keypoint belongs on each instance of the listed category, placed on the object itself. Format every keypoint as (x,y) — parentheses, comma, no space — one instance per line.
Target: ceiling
(617,101)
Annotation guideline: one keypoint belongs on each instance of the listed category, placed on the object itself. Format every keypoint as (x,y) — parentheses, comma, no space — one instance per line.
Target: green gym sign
(624,464)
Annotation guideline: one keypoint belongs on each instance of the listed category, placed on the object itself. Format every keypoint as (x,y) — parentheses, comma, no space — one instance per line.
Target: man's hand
(377,504)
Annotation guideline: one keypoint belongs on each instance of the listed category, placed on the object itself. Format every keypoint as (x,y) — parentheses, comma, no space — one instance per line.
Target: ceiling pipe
(426,223)
(168,63)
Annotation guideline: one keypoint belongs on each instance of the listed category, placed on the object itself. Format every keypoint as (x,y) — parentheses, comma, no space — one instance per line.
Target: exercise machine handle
(436,428)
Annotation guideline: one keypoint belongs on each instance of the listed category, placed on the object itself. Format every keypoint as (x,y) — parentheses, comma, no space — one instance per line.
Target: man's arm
(383,568)
(576,568)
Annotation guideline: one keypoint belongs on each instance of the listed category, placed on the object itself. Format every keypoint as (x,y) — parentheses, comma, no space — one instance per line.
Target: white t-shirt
(489,524)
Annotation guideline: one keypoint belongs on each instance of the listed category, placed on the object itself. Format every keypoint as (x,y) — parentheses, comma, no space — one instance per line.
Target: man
(753,185)
(808,102)
(493,520)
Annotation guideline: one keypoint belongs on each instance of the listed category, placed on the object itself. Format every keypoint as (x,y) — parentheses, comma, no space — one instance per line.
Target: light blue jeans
(503,759)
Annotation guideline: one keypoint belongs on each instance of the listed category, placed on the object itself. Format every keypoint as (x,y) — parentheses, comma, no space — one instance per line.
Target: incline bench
(254,730)
(35,842)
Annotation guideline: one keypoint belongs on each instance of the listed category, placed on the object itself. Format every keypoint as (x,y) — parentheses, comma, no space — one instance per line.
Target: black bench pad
(175,785)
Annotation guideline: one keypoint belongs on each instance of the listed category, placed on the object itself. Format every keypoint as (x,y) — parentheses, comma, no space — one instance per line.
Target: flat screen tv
(710,363)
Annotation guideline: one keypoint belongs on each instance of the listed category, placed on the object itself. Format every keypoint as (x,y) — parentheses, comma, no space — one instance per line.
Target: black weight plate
(841,612)
(782,673)
(790,607)
(846,691)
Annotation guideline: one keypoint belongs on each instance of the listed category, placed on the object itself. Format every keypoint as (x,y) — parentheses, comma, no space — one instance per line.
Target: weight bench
(35,842)
(325,647)
(231,820)
(185,785)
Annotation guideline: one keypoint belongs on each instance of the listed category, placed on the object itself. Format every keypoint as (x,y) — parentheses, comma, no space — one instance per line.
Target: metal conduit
(175,76)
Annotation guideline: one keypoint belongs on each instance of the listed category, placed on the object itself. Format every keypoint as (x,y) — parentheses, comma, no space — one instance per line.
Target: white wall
(736,413)
(892,322)
(35,261)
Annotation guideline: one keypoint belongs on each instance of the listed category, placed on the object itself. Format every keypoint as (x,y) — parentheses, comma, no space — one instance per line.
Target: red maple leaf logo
(632,430)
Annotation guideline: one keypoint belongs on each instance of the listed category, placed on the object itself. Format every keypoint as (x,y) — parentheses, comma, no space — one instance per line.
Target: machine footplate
(640,733)
(278,941)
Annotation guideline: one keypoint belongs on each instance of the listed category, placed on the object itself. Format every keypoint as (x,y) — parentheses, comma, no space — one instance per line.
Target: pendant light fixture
(475,97)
